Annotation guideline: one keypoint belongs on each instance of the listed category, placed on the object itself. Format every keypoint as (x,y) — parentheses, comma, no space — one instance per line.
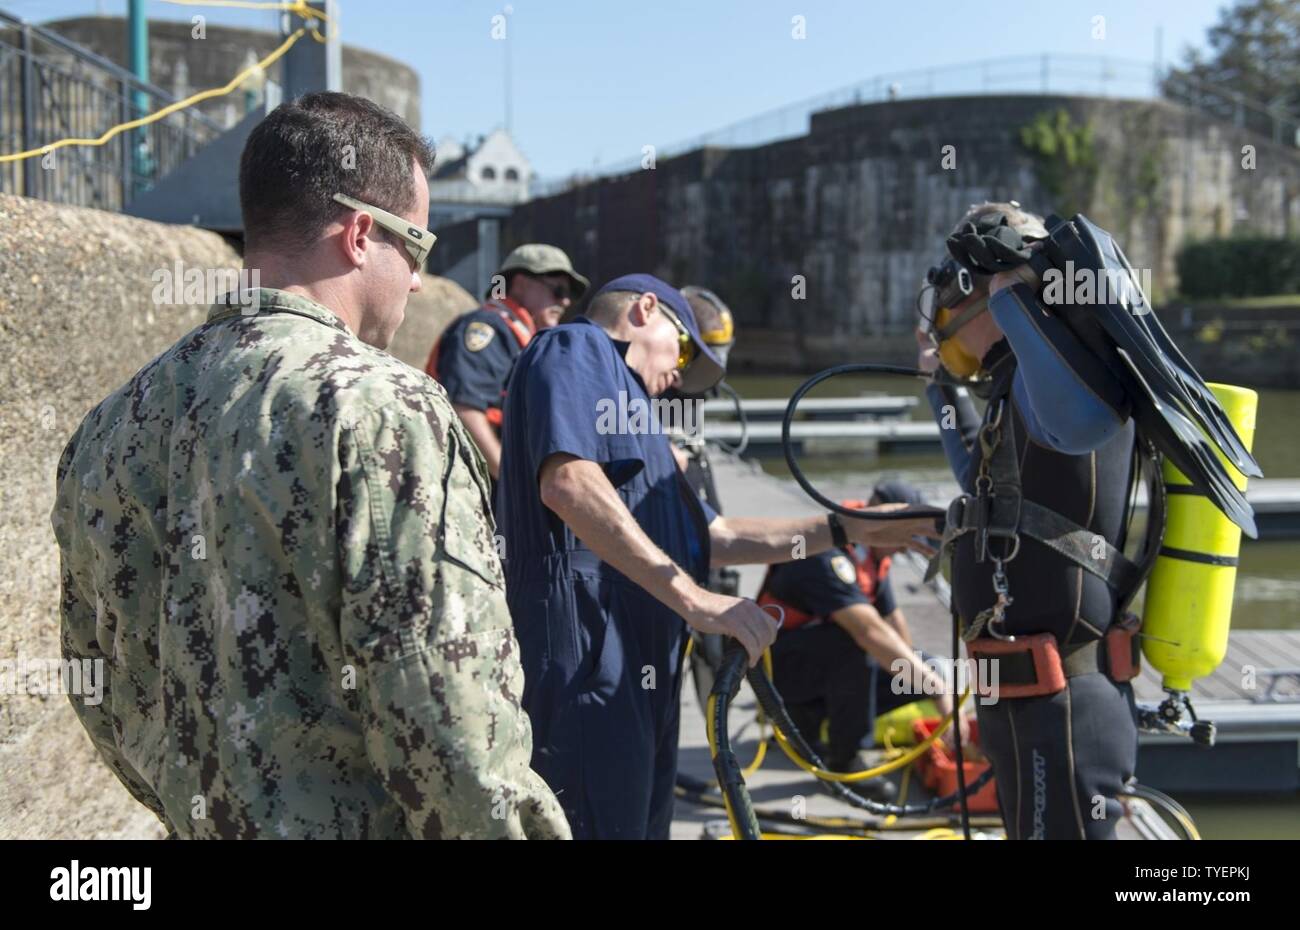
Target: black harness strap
(1000,510)
(1149,460)
(1080,546)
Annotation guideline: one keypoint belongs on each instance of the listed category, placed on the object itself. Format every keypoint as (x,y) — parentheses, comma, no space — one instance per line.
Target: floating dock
(868,405)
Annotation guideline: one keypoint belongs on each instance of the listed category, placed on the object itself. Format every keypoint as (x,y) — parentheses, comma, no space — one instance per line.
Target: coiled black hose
(787,446)
(731,670)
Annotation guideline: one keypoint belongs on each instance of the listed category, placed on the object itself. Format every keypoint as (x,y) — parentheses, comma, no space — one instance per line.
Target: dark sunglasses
(560,291)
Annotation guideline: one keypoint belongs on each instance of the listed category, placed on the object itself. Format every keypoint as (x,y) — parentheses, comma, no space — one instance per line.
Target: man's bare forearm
(878,639)
(581,495)
(762,541)
(484,436)
(899,623)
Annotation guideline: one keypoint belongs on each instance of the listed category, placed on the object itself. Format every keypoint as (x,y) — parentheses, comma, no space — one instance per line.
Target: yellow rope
(297,7)
(292,6)
(939,833)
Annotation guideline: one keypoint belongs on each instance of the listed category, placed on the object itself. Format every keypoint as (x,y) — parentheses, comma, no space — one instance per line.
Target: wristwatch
(838,536)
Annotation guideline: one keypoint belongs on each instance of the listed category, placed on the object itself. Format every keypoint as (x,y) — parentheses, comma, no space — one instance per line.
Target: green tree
(1251,65)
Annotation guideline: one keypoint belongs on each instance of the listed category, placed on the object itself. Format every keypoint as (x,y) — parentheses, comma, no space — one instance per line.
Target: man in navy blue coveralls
(607,552)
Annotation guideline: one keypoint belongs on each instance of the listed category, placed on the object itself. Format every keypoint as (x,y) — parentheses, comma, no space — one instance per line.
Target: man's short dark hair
(309,149)
(606,307)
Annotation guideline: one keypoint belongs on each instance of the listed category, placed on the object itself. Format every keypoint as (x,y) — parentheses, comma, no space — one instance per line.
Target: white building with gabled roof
(488,177)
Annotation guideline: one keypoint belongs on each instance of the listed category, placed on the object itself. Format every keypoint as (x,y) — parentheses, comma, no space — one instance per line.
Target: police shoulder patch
(477,335)
(844,569)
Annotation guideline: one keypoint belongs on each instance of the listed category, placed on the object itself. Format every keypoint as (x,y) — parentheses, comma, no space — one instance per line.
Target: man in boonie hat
(472,358)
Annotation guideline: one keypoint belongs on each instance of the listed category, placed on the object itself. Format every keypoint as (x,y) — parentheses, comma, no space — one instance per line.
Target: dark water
(1270,817)
(1268,581)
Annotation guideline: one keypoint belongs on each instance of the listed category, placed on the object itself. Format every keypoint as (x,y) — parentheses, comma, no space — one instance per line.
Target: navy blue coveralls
(601,657)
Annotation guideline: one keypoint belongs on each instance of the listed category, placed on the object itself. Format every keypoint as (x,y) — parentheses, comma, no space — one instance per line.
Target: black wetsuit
(1060,760)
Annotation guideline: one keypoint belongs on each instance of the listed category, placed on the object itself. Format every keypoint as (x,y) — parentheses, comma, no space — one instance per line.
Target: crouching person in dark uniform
(844,653)
(1056,441)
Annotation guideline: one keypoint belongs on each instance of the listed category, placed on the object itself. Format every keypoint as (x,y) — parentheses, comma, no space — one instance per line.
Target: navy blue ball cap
(706,369)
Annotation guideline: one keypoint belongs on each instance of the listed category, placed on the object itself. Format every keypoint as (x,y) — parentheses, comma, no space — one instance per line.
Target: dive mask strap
(949,329)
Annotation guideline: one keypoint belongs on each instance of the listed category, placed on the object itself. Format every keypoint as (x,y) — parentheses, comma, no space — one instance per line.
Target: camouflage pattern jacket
(278,540)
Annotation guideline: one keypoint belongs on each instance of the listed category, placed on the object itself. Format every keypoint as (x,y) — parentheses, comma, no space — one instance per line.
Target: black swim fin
(1170,401)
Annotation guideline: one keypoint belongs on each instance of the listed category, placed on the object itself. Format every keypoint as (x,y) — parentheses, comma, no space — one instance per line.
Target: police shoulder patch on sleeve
(844,569)
(477,335)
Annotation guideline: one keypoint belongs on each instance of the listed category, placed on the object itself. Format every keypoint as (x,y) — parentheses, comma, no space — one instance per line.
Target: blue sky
(595,81)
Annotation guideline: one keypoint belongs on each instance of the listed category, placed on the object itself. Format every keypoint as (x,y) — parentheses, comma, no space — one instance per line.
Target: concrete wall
(77,319)
(860,205)
(183,65)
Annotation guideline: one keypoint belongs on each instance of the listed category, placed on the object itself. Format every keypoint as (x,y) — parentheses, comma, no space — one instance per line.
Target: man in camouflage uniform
(277,536)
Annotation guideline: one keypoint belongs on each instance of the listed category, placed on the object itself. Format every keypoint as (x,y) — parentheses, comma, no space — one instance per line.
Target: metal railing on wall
(1083,75)
(51,89)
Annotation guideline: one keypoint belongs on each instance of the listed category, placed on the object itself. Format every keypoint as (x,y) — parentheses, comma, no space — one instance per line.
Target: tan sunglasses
(418,241)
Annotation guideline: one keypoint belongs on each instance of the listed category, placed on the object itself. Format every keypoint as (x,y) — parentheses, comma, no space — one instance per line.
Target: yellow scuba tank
(1189,593)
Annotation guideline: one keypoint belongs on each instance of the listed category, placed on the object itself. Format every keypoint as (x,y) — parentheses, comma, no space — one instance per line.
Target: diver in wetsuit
(1061,731)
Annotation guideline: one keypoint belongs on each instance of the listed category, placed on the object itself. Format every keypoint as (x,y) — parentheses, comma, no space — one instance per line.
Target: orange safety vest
(869,575)
(520,323)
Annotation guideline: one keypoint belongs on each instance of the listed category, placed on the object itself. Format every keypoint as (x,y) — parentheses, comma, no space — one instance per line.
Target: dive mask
(949,285)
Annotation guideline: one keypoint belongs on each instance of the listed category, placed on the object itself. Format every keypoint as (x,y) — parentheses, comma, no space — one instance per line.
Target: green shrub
(1239,267)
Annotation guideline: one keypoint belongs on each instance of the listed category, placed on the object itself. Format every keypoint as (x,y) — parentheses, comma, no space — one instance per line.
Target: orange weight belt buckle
(1123,652)
(1028,666)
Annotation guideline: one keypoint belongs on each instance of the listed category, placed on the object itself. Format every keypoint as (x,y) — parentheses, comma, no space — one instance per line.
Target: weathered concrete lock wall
(77,319)
(857,209)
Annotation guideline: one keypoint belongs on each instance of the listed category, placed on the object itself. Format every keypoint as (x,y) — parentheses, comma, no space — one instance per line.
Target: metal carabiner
(780,621)
(1001,588)
(996,420)
(1000,584)
(1015,551)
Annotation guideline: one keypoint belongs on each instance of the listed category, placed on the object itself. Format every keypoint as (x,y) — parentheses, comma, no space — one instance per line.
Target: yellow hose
(883,769)
(712,736)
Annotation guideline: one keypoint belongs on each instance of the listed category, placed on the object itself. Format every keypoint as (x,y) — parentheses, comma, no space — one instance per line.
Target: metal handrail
(112,69)
(66,91)
(1043,74)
